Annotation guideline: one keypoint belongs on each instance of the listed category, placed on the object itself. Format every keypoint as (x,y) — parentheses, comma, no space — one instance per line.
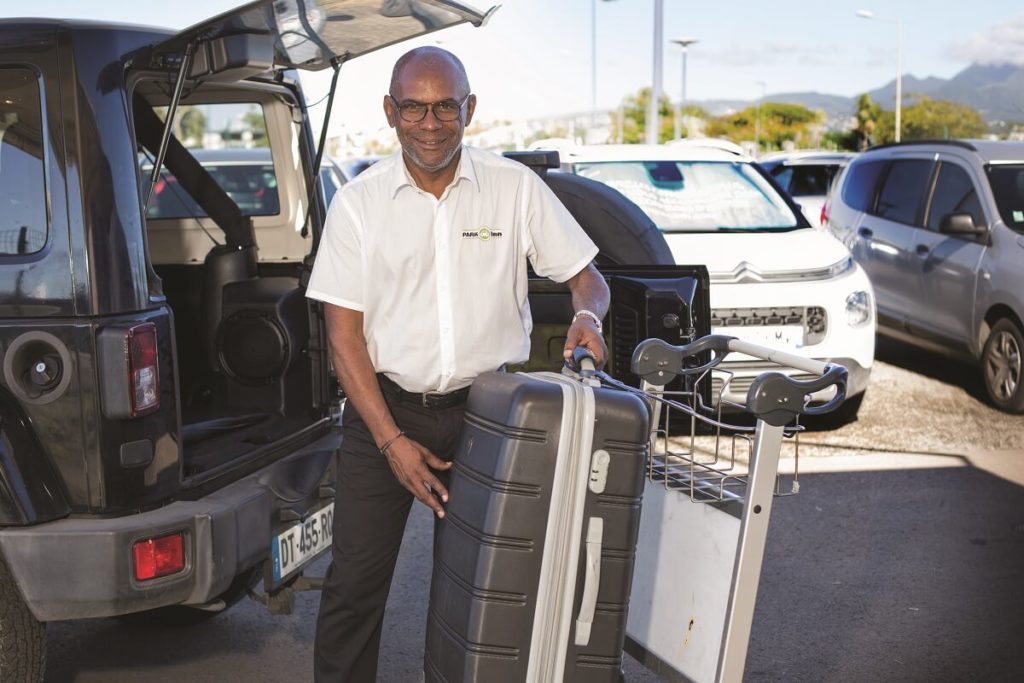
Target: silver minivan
(939,228)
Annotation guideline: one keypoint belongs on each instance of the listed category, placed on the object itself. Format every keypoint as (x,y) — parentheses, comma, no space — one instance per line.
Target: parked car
(939,228)
(332,177)
(774,279)
(807,177)
(356,165)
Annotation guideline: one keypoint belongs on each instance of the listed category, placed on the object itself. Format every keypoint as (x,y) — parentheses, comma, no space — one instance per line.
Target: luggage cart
(708,500)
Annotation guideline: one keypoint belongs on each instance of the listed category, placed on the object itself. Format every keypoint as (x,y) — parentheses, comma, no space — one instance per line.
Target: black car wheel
(1001,366)
(22,637)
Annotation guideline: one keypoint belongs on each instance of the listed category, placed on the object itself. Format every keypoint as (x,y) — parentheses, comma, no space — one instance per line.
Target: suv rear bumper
(82,567)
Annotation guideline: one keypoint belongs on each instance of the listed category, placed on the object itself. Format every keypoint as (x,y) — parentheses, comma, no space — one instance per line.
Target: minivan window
(902,190)
(809,181)
(860,185)
(1007,183)
(23,222)
(954,193)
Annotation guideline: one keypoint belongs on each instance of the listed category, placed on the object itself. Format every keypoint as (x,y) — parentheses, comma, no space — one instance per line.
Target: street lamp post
(659,49)
(683,43)
(868,14)
(593,61)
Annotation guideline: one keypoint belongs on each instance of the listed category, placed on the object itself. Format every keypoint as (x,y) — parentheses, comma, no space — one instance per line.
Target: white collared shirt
(442,283)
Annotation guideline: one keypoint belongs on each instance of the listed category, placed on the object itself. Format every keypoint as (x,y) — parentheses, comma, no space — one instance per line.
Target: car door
(883,242)
(948,264)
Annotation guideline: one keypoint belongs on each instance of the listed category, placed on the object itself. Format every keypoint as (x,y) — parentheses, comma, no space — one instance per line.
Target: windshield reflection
(696,196)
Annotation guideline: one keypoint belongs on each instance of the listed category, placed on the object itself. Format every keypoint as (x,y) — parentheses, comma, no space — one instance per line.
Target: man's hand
(589,293)
(583,332)
(411,464)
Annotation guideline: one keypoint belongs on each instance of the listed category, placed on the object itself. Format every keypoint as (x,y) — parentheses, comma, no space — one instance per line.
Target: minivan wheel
(1001,366)
(22,637)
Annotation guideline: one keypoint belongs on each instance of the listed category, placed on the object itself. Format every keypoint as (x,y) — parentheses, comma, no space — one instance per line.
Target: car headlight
(840,267)
(858,308)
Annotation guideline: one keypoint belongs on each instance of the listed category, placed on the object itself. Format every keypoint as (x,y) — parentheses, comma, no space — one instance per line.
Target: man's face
(431,143)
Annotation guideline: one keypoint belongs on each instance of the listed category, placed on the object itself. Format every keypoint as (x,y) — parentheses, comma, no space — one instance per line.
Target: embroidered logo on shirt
(483,234)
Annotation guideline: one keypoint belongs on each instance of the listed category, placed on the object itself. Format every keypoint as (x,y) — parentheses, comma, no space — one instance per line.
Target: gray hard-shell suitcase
(534,557)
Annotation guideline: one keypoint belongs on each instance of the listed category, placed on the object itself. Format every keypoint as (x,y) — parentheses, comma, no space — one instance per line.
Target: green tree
(634,118)
(847,140)
(868,113)
(256,124)
(779,123)
(932,119)
(191,126)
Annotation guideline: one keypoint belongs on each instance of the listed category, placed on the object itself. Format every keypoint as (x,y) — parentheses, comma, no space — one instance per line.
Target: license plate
(299,544)
(773,336)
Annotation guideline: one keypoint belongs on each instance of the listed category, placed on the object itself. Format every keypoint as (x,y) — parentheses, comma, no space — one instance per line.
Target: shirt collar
(400,174)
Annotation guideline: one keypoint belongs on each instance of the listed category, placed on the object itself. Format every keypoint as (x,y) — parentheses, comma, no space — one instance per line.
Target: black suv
(167,407)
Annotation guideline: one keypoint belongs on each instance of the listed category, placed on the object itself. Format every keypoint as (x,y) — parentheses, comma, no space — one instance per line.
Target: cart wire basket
(711,457)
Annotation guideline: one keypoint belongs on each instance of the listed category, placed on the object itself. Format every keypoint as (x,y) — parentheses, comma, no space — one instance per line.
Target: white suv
(774,279)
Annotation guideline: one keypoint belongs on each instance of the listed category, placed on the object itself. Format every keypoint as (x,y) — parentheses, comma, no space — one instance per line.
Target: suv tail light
(143,369)
(129,369)
(824,214)
(156,557)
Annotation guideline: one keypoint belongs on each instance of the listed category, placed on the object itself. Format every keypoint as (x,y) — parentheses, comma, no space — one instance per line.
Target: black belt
(429,399)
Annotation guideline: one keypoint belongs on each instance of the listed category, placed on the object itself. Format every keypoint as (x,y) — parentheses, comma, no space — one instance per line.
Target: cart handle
(771,394)
(778,399)
(657,361)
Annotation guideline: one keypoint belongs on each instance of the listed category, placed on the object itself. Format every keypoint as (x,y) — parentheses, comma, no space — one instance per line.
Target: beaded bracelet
(387,444)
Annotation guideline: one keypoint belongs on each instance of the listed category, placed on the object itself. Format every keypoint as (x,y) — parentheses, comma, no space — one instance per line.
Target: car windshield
(697,196)
(1007,181)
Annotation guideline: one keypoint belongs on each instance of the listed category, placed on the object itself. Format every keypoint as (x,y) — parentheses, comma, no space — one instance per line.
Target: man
(422,271)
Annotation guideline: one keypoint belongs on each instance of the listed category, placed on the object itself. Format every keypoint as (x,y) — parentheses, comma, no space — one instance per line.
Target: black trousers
(370,513)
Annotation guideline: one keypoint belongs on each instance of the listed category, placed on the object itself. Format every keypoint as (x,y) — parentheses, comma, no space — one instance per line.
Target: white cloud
(1001,44)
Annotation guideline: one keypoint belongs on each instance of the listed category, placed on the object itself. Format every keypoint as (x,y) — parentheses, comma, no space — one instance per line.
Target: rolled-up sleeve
(337,276)
(556,245)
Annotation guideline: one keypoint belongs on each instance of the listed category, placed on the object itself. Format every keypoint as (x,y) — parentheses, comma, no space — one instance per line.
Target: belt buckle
(426,396)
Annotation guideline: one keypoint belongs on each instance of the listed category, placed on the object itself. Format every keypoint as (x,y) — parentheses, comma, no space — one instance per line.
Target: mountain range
(996,91)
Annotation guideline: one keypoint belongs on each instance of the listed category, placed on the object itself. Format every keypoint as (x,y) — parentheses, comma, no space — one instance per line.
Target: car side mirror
(960,224)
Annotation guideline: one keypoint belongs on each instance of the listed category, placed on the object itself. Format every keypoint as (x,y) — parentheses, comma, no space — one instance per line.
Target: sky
(534,57)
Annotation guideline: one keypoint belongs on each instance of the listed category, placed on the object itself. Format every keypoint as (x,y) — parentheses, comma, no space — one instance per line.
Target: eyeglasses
(414,112)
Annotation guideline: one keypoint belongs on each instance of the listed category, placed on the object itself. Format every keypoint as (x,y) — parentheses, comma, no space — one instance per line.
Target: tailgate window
(230,141)
(23,223)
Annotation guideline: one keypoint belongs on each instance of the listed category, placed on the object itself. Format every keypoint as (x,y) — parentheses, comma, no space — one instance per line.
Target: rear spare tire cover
(623,233)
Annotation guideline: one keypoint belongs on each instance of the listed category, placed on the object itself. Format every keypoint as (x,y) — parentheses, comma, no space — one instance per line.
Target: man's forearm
(589,291)
(356,373)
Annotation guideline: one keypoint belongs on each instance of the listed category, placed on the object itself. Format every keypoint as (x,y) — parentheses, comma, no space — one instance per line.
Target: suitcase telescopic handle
(773,396)
(583,362)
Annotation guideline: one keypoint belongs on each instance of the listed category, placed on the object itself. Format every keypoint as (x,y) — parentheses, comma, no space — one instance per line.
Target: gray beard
(431,168)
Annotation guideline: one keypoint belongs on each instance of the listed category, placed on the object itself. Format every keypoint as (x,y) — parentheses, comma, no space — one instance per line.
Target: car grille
(814,319)
(739,386)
